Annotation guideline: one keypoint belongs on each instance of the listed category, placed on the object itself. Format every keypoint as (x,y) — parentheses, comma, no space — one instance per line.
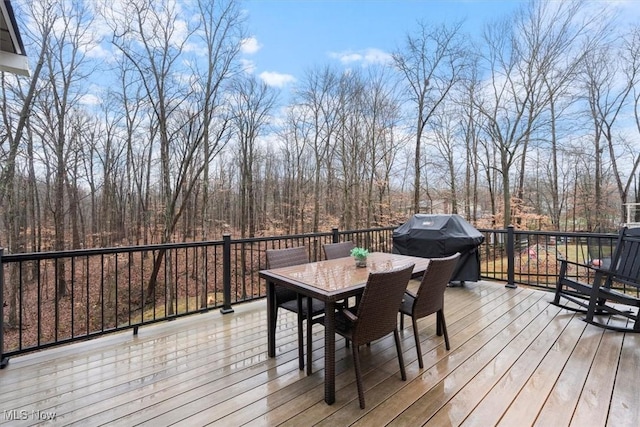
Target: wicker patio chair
(376,316)
(288,299)
(338,250)
(429,299)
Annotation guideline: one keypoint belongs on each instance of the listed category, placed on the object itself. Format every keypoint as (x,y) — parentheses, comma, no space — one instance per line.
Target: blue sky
(290,36)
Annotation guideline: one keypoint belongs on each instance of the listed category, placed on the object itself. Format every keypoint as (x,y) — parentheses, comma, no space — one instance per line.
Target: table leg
(300,333)
(271,319)
(330,353)
(309,335)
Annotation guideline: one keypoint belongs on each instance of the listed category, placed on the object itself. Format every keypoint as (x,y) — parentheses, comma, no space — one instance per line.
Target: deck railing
(52,298)
(524,257)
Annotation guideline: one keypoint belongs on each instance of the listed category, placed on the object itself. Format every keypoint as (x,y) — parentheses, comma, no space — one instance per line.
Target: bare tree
(251,105)
(220,30)
(65,67)
(444,126)
(351,157)
(297,165)
(151,164)
(315,94)
(150,35)
(621,153)
(17,102)
(636,115)
(608,79)
(430,64)
(381,121)
(470,134)
(555,38)
(520,51)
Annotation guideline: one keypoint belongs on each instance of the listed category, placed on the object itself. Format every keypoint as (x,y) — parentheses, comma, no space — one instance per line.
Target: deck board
(457,409)
(500,338)
(477,330)
(624,403)
(540,366)
(593,405)
(514,360)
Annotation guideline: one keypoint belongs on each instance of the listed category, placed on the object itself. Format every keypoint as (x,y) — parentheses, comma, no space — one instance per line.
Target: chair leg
(356,364)
(443,326)
(561,274)
(346,340)
(401,320)
(417,338)
(403,372)
(591,310)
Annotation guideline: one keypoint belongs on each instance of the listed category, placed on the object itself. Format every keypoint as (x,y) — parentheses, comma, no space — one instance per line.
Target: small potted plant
(360,255)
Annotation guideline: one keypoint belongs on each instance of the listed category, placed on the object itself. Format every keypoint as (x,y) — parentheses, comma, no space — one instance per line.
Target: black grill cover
(434,236)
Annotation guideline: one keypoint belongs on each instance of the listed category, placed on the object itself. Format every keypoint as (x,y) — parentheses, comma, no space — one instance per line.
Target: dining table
(329,281)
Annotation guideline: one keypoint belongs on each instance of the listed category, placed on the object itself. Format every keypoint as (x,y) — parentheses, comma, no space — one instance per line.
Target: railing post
(4,361)
(336,236)
(226,274)
(511,257)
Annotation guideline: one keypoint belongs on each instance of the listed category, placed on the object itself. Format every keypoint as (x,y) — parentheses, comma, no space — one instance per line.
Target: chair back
(378,309)
(626,260)
(338,250)
(430,296)
(278,258)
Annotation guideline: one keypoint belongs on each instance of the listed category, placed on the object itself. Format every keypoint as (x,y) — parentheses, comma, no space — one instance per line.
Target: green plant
(359,253)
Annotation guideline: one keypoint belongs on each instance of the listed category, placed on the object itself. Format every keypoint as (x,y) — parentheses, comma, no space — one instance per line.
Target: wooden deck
(515,360)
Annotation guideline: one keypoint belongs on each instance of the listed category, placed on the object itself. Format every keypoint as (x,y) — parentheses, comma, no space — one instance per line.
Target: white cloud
(347,57)
(365,57)
(248,66)
(250,46)
(272,78)
(90,99)
(377,56)
(99,52)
